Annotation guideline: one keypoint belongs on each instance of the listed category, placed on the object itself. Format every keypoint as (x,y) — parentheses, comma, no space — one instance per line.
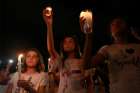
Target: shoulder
(103,49)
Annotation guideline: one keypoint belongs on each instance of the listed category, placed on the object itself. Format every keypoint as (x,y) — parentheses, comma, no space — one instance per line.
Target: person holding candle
(70,63)
(32,78)
(52,78)
(4,77)
(123,59)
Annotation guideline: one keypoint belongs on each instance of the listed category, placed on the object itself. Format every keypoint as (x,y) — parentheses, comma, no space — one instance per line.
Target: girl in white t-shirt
(71,65)
(32,78)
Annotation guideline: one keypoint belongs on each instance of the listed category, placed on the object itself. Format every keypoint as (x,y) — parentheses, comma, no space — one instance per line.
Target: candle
(87,15)
(19,64)
(49,65)
(48,11)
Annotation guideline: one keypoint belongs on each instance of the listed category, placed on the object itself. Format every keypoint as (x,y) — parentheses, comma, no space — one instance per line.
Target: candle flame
(87,15)
(48,11)
(49,8)
(20,57)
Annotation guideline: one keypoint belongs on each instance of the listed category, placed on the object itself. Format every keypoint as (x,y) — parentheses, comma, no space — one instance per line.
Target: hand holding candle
(47,15)
(87,16)
(48,11)
(19,64)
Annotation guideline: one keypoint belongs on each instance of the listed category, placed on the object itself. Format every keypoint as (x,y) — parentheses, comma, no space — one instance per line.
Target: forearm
(90,86)
(87,49)
(9,88)
(50,40)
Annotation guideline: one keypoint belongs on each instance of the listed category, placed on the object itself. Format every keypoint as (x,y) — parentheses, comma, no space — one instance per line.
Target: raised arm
(88,43)
(100,56)
(50,41)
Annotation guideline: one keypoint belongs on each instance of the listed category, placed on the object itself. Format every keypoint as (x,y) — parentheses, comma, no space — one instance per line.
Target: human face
(117,26)
(69,44)
(32,59)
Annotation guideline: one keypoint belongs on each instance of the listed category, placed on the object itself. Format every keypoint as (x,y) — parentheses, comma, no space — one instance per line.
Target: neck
(71,55)
(30,70)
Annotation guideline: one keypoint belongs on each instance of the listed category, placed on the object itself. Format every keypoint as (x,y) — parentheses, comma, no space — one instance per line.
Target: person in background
(4,77)
(123,59)
(32,78)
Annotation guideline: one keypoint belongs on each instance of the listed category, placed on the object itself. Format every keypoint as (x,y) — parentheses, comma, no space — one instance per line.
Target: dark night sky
(22,25)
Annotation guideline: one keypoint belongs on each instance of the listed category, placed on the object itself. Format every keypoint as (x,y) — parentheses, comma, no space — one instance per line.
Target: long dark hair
(40,65)
(77,48)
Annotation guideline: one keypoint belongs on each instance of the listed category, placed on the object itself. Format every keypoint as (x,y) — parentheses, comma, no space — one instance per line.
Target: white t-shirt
(72,77)
(37,80)
(124,67)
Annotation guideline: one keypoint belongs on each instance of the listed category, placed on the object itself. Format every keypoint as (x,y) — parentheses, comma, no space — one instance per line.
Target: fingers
(82,19)
(23,83)
(47,16)
(47,12)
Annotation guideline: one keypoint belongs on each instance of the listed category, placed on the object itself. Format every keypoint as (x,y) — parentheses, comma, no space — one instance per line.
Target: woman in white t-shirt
(32,78)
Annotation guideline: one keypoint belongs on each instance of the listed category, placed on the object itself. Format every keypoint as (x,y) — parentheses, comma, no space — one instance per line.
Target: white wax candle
(48,11)
(88,16)
(19,64)
(20,57)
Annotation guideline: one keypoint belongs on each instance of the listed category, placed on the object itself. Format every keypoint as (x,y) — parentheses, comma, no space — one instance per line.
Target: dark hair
(40,65)
(77,48)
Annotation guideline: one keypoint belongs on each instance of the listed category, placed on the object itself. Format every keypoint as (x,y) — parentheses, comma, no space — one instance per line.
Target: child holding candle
(71,64)
(32,78)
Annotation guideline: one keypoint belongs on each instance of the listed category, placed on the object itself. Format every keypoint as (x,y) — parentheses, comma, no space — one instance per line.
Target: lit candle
(49,65)
(48,11)
(87,15)
(19,67)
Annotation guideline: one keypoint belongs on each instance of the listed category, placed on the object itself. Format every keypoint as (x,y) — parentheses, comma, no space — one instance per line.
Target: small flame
(49,9)
(20,57)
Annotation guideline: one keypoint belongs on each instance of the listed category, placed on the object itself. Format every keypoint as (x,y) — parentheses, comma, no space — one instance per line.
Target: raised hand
(47,15)
(84,25)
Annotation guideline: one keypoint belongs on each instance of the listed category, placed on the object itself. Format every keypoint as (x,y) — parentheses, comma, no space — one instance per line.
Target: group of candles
(86,14)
